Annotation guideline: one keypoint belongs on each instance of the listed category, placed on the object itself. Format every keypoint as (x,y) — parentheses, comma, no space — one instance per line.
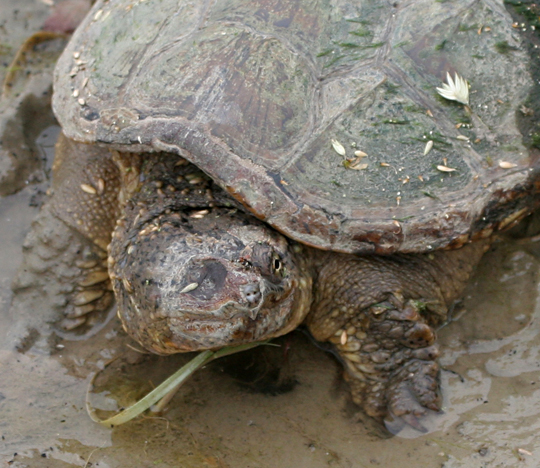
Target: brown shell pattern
(255,92)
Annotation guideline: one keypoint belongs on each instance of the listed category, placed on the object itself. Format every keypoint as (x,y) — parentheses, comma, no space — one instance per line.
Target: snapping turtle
(255,165)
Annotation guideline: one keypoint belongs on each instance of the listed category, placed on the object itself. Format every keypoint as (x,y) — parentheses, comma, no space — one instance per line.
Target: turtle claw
(413,392)
(413,421)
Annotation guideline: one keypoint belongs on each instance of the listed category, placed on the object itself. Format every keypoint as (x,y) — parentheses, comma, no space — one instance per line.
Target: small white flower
(456,89)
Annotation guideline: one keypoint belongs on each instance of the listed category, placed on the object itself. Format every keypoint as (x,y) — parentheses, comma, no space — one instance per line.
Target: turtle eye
(276,265)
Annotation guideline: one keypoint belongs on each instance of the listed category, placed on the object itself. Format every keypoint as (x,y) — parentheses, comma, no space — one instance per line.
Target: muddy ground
(243,418)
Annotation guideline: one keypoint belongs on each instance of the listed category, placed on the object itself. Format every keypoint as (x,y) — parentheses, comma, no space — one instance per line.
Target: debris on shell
(526,111)
(429,113)
(506,165)
(338,147)
(100,186)
(88,189)
(189,287)
(355,165)
(428,148)
(522,451)
(385,165)
(445,168)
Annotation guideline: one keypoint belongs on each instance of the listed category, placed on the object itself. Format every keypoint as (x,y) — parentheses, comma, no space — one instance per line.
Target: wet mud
(285,406)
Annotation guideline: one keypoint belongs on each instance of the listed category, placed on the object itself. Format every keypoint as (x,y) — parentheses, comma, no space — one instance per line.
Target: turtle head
(189,281)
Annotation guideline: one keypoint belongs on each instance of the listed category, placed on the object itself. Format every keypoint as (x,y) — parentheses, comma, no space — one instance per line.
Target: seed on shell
(445,168)
(88,189)
(338,147)
(100,186)
(462,138)
(506,165)
(189,287)
(360,154)
(428,147)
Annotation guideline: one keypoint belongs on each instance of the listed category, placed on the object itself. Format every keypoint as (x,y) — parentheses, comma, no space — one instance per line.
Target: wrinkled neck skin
(191,270)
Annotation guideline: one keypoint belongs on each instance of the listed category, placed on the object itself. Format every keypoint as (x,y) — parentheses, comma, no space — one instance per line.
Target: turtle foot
(391,363)
(414,390)
(63,278)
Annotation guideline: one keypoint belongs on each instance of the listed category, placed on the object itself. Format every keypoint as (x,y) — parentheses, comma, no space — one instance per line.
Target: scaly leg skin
(380,312)
(64,256)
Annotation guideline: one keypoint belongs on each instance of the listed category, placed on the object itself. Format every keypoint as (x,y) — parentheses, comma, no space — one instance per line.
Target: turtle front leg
(65,254)
(381,313)
(390,355)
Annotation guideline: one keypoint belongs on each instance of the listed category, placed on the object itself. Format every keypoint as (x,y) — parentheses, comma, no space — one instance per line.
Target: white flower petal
(456,89)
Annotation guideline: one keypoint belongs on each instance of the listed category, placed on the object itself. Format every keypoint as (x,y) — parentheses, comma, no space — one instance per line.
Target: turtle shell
(322,118)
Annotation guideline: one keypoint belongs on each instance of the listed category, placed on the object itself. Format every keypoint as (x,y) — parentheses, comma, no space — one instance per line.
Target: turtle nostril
(252,293)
